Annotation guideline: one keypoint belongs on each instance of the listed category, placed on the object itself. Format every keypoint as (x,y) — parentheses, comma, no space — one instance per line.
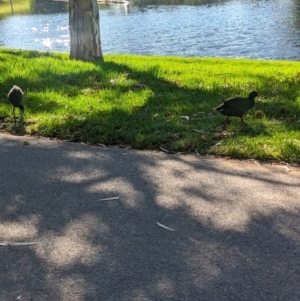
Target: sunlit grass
(140,101)
(19,6)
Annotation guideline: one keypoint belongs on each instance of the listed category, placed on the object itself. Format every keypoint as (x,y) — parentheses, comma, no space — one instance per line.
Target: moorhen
(15,96)
(236,106)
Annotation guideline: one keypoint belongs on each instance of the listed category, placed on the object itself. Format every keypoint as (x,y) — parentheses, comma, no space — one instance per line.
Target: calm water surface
(239,28)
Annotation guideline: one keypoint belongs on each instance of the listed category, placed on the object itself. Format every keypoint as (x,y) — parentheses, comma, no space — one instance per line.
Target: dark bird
(15,96)
(236,106)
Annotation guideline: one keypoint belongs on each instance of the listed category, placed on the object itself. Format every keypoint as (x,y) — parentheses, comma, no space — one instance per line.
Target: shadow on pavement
(236,228)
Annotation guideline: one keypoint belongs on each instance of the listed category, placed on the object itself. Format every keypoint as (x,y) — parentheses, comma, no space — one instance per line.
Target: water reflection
(49,7)
(224,28)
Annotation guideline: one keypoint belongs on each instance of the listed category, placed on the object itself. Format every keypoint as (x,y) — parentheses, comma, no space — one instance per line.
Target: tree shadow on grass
(158,111)
(157,122)
(227,243)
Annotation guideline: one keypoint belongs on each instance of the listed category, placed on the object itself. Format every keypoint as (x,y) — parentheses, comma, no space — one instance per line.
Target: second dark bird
(15,96)
(236,106)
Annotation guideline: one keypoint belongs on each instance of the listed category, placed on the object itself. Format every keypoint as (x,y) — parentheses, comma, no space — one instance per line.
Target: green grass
(19,6)
(139,101)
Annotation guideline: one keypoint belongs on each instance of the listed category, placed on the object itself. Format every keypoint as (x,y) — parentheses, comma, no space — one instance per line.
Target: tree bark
(85,30)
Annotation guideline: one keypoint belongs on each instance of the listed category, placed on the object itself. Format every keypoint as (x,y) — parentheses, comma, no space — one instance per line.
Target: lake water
(267,29)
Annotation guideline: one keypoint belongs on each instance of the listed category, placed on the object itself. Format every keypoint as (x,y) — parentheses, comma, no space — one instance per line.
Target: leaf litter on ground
(16,244)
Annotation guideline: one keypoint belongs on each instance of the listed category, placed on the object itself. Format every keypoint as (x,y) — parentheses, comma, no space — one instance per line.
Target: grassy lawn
(22,6)
(151,102)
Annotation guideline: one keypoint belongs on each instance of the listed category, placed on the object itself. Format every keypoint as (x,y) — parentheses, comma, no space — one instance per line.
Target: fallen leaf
(199,131)
(203,137)
(29,122)
(165,227)
(138,85)
(109,199)
(26,143)
(259,114)
(286,168)
(187,118)
(164,150)
(176,82)
(290,120)
(218,135)
(77,133)
(218,143)
(113,81)
(129,75)
(15,244)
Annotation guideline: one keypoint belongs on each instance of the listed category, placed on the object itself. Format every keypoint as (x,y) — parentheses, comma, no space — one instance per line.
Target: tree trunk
(85,30)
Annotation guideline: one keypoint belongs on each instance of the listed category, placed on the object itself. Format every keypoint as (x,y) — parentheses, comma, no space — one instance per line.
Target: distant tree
(85,30)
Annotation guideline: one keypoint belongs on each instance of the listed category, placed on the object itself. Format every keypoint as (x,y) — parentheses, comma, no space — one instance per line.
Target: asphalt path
(120,224)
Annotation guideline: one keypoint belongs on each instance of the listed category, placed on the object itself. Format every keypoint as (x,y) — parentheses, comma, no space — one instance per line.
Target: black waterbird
(15,96)
(236,106)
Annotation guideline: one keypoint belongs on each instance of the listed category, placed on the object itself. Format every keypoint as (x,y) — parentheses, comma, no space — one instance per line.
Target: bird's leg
(13,112)
(243,122)
(224,126)
(21,115)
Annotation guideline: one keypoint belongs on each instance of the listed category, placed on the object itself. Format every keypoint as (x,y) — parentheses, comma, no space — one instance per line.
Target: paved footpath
(119,224)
